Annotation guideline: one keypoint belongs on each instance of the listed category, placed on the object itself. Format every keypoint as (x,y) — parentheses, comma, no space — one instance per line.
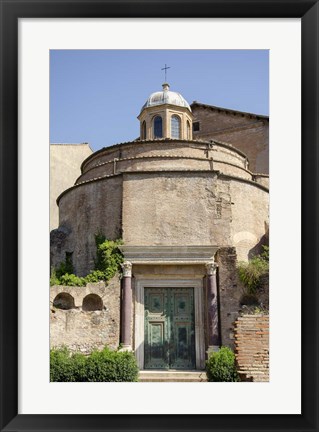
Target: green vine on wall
(106,264)
(251,273)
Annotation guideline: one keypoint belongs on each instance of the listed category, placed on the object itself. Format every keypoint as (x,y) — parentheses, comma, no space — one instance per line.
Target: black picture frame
(11,11)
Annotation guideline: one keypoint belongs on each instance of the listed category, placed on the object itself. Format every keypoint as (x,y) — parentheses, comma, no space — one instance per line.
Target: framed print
(148,209)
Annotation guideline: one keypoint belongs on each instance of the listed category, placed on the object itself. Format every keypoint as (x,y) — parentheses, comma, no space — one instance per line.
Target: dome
(166,97)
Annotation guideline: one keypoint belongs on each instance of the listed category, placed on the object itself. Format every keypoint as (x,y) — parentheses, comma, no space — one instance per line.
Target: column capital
(211,268)
(127,268)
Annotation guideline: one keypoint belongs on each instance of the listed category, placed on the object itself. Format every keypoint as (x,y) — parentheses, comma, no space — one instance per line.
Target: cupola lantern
(166,114)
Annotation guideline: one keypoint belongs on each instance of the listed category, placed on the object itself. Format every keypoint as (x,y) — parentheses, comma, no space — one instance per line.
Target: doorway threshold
(172,375)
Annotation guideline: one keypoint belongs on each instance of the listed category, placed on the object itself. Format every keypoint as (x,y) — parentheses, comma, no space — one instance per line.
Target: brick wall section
(252,347)
(247,132)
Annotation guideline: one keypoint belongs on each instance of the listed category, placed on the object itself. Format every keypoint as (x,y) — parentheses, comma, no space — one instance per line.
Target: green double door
(169,340)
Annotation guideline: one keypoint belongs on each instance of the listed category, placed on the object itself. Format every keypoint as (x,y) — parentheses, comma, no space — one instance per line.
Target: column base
(126,348)
(211,349)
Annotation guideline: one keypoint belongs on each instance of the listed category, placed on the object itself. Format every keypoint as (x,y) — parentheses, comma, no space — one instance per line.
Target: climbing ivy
(106,264)
(108,256)
(65,267)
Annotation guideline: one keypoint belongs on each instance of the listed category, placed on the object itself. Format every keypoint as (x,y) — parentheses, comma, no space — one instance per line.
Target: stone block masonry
(230,293)
(85,318)
(252,347)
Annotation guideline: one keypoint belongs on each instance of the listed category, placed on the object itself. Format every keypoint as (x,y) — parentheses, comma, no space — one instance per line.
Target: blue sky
(96,95)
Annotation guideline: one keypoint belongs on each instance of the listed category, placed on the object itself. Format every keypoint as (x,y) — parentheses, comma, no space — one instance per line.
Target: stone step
(172,376)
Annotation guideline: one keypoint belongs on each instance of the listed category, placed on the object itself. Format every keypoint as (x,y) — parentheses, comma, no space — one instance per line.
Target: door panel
(183,329)
(169,328)
(156,329)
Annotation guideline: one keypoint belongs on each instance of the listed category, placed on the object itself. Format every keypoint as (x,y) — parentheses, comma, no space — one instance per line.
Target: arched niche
(92,302)
(64,301)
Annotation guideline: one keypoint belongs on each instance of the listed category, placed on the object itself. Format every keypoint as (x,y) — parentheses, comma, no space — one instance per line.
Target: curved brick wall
(249,216)
(160,154)
(84,211)
(162,193)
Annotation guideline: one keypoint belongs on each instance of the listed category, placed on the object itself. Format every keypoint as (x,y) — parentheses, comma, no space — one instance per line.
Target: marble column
(212,308)
(126,325)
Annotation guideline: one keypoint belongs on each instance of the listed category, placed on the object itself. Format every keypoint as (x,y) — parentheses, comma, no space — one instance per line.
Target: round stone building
(187,211)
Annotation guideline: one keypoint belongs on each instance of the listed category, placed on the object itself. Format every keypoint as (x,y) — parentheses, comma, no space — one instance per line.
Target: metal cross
(165,68)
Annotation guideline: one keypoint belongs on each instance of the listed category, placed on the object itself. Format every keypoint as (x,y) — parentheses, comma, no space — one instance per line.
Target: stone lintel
(169,255)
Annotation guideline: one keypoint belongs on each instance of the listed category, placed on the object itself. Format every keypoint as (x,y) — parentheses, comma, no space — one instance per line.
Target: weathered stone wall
(250,217)
(169,192)
(176,209)
(193,209)
(168,147)
(247,132)
(252,347)
(165,155)
(65,163)
(262,179)
(84,211)
(230,293)
(83,330)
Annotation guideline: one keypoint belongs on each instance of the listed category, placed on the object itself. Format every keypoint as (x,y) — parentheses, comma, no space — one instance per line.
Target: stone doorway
(190,331)
(169,328)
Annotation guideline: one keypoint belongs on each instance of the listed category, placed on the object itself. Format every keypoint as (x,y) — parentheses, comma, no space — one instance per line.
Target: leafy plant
(99,366)
(95,276)
(221,366)
(265,253)
(251,273)
(107,263)
(65,367)
(72,280)
(65,267)
(108,256)
(54,280)
(112,366)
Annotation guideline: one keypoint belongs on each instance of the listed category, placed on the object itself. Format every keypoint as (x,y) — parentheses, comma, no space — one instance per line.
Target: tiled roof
(196,104)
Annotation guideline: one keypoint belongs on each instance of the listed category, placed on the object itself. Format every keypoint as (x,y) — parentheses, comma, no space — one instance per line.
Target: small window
(92,302)
(175,127)
(196,126)
(143,131)
(188,130)
(64,301)
(158,127)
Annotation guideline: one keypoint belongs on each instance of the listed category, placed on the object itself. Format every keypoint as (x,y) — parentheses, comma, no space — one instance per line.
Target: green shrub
(265,253)
(95,276)
(54,280)
(112,366)
(251,273)
(65,367)
(108,257)
(65,267)
(100,366)
(221,366)
(72,280)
